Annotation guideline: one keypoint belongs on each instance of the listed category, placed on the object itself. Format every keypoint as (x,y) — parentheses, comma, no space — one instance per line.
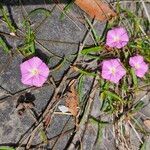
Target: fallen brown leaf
(72,100)
(96,9)
(147,123)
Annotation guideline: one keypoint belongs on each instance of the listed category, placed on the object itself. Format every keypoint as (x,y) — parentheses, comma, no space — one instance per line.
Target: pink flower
(112,70)
(117,37)
(138,64)
(34,72)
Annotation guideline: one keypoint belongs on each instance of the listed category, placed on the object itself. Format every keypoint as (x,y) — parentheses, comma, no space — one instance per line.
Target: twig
(144,6)
(135,132)
(79,134)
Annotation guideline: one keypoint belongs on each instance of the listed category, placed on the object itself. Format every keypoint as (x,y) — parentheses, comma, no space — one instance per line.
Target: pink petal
(124,37)
(106,75)
(38,81)
(111,44)
(139,58)
(35,62)
(121,44)
(25,67)
(121,31)
(27,79)
(136,60)
(115,62)
(44,70)
(110,38)
(107,64)
(118,76)
(144,66)
(142,70)
(114,79)
(111,34)
(139,73)
(121,71)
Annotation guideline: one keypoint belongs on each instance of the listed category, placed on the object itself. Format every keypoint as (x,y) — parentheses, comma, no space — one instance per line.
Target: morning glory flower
(117,37)
(34,72)
(139,66)
(112,70)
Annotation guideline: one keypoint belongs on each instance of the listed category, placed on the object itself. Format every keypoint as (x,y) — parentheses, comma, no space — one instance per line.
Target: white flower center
(116,38)
(34,71)
(137,66)
(112,70)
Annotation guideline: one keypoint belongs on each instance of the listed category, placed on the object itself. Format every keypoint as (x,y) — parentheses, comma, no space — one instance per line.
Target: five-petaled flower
(117,37)
(34,72)
(139,66)
(112,70)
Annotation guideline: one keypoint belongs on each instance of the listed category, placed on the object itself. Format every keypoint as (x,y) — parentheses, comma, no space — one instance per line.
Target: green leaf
(95,120)
(29,44)
(6,19)
(80,86)
(139,126)
(134,78)
(102,96)
(95,35)
(66,9)
(105,106)
(104,99)
(101,125)
(43,136)
(104,85)
(4,45)
(44,11)
(85,72)
(113,95)
(6,148)
(86,51)
(138,107)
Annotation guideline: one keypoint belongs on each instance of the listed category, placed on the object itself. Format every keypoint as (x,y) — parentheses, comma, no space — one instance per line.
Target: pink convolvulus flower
(112,70)
(138,64)
(34,72)
(117,37)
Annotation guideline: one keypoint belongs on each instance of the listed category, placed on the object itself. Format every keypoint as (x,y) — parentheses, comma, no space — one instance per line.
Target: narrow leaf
(4,45)
(44,11)
(6,19)
(113,95)
(6,148)
(80,86)
(134,78)
(66,9)
(86,51)
(138,106)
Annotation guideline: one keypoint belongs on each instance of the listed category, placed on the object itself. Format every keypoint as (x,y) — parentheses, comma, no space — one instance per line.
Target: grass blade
(4,45)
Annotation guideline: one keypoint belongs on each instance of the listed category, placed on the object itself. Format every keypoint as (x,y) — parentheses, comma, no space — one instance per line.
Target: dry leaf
(147,123)
(72,100)
(96,9)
